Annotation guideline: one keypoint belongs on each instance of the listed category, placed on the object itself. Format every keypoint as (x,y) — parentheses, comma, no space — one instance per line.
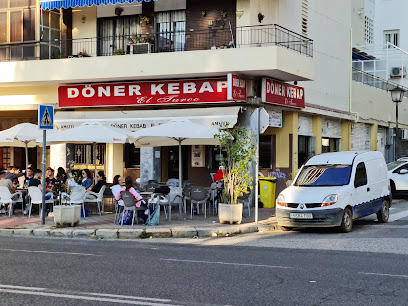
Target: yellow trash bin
(267,187)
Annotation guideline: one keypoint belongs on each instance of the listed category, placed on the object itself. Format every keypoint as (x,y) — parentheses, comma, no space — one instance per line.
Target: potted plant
(118,52)
(240,152)
(203,13)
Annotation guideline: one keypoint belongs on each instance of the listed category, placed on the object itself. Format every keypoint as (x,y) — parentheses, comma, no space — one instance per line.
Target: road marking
(90,296)
(48,252)
(381,274)
(224,263)
(397,216)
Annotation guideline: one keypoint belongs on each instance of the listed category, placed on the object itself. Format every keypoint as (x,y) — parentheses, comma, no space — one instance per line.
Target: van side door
(362,193)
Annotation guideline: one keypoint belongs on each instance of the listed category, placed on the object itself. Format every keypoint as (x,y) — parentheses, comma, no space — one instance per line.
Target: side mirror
(403,171)
(360,182)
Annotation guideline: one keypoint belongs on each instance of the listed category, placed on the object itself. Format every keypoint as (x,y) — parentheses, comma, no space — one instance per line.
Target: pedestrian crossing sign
(46,117)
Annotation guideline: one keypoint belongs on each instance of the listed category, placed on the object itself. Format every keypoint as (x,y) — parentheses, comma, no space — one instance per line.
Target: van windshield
(324,175)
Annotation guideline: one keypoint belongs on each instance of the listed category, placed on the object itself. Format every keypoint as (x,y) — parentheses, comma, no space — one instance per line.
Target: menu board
(197,156)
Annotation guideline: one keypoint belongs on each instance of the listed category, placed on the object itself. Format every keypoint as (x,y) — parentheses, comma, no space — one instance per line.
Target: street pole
(397,134)
(257,165)
(44,161)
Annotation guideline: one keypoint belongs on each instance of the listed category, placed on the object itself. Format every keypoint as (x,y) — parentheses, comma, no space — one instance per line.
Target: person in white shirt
(116,185)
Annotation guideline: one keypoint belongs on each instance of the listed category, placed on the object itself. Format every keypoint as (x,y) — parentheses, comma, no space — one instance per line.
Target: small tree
(240,152)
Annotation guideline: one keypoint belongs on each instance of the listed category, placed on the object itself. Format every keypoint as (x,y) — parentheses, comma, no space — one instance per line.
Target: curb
(140,233)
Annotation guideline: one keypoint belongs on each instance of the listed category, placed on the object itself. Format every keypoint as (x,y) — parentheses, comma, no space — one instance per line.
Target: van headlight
(281,200)
(330,200)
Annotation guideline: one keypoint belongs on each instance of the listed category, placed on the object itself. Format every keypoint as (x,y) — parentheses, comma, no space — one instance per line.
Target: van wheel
(384,214)
(347,221)
(285,228)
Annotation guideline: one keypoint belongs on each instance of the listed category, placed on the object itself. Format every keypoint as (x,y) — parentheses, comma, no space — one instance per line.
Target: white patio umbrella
(89,133)
(21,135)
(175,133)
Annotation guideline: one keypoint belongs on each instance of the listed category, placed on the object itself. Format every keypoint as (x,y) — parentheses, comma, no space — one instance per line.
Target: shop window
(171,27)
(83,154)
(214,157)
(266,151)
(330,145)
(132,156)
(306,149)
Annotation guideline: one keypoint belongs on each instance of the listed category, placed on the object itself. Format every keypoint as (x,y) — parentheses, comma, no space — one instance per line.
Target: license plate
(301,216)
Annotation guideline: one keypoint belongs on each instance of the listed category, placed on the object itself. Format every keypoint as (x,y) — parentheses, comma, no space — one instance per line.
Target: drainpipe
(351,77)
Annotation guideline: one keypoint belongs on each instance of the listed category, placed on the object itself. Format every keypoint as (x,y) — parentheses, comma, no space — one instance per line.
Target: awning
(58,4)
(136,120)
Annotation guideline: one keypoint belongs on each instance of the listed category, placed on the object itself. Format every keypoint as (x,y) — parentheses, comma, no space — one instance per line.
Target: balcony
(268,50)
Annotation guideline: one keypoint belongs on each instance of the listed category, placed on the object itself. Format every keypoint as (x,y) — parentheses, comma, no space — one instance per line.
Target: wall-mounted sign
(197,156)
(275,118)
(237,89)
(282,93)
(153,93)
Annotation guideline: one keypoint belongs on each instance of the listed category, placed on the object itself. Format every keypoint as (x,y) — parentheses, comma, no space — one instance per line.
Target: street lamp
(397,94)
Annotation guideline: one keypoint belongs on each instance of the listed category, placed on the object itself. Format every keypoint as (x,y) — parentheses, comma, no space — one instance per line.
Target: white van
(332,189)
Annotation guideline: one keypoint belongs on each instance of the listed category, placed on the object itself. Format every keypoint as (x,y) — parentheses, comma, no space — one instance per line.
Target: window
(369,30)
(171,27)
(114,33)
(213,157)
(17,24)
(306,148)
(50,34)
(266,151)
(330,145)
(392,37)
(361,175)
(84,154)
(132,156)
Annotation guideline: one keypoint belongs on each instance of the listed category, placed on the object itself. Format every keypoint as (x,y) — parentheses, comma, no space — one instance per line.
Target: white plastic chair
(6,197)
(93,197)
(35,197)
(77,196)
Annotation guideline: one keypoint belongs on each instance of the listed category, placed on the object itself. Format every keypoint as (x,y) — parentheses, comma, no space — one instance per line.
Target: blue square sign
(46,117)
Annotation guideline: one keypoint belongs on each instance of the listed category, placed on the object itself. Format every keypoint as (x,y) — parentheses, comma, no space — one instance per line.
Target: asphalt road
(311,267)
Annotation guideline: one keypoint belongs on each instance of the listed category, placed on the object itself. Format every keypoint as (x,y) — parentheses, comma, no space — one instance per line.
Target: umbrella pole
(94,158)
(26,154)
(180,176)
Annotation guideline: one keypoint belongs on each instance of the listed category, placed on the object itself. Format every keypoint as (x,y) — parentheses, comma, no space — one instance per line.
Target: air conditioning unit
(396,72)
(139,48)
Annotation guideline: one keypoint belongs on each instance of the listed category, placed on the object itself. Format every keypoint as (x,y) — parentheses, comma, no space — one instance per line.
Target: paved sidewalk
(102,227)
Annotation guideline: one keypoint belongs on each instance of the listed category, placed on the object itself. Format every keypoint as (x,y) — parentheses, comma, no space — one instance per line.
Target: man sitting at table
(36,182)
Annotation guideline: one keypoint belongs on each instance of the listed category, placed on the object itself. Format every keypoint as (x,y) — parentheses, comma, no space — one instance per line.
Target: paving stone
(24,232)
(207,231)
(130,233)
(107,233)
(158,232)
(41,232)
(267,227)
(67,233)
(186,232)
(83,233)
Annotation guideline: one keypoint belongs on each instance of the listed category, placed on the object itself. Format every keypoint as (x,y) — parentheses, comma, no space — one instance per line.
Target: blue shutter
(57,4)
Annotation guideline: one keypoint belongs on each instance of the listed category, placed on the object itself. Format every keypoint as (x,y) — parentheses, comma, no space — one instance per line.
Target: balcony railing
(216,37)
(374,81)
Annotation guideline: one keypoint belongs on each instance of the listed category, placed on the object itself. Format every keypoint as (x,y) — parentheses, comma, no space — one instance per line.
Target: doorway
(170,162)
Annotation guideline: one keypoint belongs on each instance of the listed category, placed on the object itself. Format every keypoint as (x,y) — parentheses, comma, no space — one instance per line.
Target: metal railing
(374,81)
(215,37)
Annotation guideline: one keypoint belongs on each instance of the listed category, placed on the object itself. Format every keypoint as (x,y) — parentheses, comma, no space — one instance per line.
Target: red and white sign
(146,93)
(237,89)
(282,93)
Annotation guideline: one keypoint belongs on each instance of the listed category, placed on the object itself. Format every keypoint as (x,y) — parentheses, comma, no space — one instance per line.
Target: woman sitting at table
(116,185)
(137,197)
(86,178)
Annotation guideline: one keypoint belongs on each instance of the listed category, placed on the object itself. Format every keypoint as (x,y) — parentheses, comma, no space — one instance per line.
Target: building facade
(135,65)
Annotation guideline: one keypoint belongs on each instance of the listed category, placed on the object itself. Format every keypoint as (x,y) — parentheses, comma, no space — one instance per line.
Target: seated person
(36,182)
(50,180)
(86,179)
(28,175)
(116,185)
(137,197)
(219,176)
(6,183)
(101,181)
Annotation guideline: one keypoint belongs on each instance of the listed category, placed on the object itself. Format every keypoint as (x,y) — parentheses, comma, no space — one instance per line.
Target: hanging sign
(276,92)
(153,93)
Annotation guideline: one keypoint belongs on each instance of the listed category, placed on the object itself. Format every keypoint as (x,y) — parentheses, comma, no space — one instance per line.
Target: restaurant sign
(153,93)
(276,92)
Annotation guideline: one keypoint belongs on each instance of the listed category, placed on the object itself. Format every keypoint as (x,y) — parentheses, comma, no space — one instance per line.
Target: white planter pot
(67,215)
(228,213)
